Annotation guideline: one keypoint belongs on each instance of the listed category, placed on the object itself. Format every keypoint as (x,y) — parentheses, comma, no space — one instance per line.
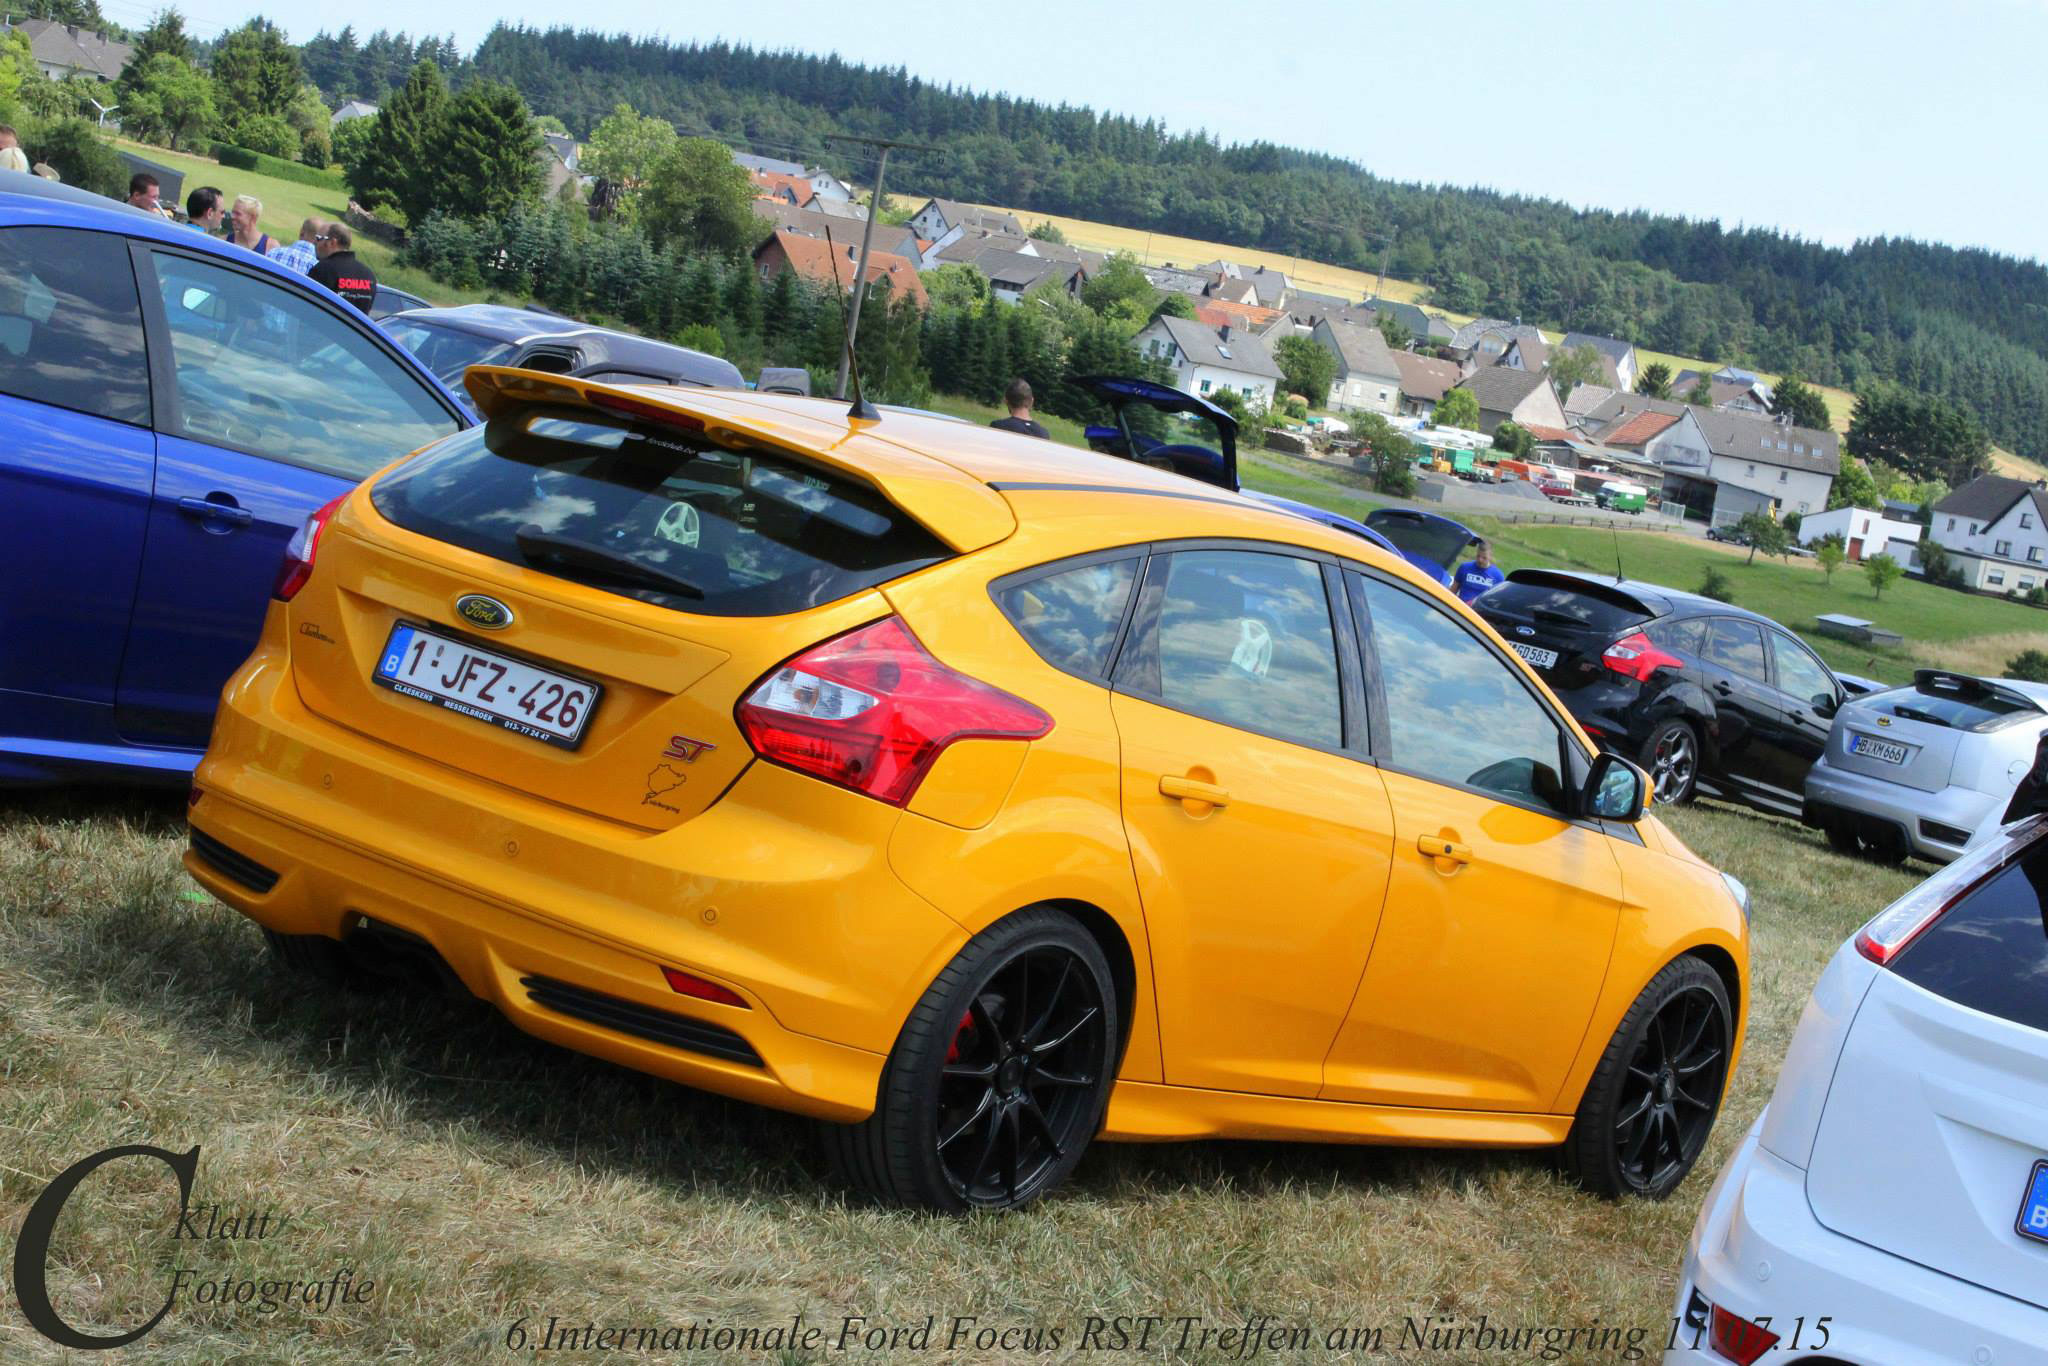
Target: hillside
(1968,326)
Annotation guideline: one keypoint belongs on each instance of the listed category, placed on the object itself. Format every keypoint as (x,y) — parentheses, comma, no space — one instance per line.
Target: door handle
(1724,687)
(1437,847)
(209,510)
(1193,791)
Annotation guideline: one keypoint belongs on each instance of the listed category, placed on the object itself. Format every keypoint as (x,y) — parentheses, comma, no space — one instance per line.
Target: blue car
(174,407)
(1161,426)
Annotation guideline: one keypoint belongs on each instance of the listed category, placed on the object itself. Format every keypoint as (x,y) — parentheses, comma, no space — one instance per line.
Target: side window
(1738,646)
(1456,712)
(1244,638)
(1071,616)
(264,370)
(1800,675)
(71,323)
(1690,636)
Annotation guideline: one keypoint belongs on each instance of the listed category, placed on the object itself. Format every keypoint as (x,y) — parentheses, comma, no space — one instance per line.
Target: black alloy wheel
(1672,756)
(1653,1098)
(1672,1089)
(1022,1066)
(1000,1076)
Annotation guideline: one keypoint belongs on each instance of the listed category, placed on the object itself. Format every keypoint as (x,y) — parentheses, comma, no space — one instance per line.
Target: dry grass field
(480,1179)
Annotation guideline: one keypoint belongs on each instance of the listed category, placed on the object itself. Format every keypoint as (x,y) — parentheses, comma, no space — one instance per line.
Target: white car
(1890,1207)
(1924,768)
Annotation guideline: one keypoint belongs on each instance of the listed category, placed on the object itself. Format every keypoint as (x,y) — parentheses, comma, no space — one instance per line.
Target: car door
(76,461)
(272,402)
(1808,698)
(1501,909)
(1259,834)
(1743,747)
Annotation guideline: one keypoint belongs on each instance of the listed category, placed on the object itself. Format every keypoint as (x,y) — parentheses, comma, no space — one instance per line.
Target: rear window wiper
(620,566)
(1561,618)
(1905,713)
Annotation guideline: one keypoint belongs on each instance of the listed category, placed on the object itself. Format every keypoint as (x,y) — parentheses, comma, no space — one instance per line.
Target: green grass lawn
(288,203)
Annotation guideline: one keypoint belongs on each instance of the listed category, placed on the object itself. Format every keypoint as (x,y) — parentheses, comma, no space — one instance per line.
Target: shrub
(74,147)
(241,158)
(702,337)
(2030,666)
(1716,586)
(267,135)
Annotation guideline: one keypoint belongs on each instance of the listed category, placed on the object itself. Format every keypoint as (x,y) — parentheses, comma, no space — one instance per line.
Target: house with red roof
(825,263)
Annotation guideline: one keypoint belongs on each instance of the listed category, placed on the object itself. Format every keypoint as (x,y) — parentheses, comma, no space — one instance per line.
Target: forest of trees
(1967,325)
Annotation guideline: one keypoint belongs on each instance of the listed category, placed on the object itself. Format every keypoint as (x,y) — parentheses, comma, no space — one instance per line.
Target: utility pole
(867,238)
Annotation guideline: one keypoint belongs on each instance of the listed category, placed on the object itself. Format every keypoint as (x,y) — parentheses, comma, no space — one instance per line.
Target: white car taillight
(1899,924)
(300,550)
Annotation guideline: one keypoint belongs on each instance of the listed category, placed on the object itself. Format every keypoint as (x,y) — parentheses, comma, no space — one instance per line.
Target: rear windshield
(1563,607)
(447,351)
(655,513)
(1432,540)
(1957,703)
(1990,953)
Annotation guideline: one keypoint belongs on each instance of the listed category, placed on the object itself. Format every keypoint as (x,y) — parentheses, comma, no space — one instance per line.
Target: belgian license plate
(486,686)
(2033,1220)
(1870,747)
(1535,654)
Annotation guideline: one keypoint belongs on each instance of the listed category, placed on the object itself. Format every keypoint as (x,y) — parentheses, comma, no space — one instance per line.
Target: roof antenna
(1619,577)
(861,410)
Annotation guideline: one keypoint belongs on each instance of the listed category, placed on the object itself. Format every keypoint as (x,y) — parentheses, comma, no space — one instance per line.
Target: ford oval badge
(478,610)
(1525,631)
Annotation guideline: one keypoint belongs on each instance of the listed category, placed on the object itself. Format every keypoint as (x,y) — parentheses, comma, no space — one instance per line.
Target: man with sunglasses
(339,269)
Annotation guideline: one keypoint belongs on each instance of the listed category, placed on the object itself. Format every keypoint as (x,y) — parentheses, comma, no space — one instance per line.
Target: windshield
(446,351)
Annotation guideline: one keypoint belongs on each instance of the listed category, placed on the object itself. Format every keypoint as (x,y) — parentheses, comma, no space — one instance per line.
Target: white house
(939,217)
(1619,354)
(61,51)
(1864,533)
(1205,359)
(1735,463)
(354,109)
(1996,532)
(1367,378)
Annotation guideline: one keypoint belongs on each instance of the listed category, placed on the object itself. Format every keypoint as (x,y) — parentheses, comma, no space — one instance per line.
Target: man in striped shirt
(302,254)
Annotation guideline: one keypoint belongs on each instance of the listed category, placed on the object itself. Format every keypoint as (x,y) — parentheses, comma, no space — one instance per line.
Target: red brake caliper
(960,1032)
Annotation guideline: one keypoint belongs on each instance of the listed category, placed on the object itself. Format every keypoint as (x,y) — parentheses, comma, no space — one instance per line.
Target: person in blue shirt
(1477,574)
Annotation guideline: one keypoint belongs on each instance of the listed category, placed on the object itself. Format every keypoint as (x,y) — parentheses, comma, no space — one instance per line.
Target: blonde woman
(242,229)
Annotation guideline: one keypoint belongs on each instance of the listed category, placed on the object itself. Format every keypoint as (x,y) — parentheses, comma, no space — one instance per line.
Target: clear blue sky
(1922,118)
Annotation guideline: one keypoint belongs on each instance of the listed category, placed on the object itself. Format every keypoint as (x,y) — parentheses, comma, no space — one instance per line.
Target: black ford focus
(1708,697)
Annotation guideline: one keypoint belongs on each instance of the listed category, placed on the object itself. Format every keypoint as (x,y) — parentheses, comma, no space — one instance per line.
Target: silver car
(1925,768)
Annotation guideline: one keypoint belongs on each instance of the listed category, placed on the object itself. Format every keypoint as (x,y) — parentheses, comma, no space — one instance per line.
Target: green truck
(1618,495)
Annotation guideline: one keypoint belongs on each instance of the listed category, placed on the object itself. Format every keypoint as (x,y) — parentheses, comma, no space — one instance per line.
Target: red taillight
(1736,1338)
(1912,915)
(872,710)
(1635,656)
(299,553)
(689,984)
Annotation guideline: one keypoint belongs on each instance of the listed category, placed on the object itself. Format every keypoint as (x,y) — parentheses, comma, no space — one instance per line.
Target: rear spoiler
(1970,687)
(1648,604)
(960,510)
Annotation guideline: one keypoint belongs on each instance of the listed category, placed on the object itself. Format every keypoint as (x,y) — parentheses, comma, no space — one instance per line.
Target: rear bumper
(781,892)
(1757,1251)
(1836,794)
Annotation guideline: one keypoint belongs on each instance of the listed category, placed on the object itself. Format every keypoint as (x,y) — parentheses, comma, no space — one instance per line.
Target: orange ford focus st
(977,796)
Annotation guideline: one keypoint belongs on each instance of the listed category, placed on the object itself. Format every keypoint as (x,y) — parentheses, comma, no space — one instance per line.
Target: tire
(1884,846)
(1671,756)
(1842,837)
(1653,1099)
(999,1078)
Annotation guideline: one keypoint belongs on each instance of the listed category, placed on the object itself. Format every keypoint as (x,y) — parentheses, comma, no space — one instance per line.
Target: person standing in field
(1018,399)
(339,269)
(302,255)
(145,194)
(1478,574)
(242,229)
(204,211)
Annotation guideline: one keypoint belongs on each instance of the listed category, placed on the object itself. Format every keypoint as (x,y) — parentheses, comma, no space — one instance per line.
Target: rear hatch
(638,568)
(1938,1111)
(1561,622)
(1910,734)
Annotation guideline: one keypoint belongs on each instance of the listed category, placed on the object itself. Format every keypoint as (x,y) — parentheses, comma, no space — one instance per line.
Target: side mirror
(1616,790)
(1826,704)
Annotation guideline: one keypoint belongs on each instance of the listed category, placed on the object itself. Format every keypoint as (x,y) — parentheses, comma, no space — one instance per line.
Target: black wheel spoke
(1058,990)
(988,1099)
(988,1148)
(1037,1120)
(1012,1151)
(960,1071)
(1080,1022)
(1712,1056)
(1043,1076)
(1635,1112)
